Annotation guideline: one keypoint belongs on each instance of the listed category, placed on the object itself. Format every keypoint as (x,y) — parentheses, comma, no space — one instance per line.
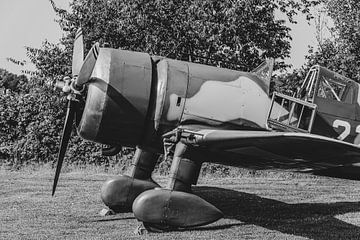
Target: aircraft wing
(275,150)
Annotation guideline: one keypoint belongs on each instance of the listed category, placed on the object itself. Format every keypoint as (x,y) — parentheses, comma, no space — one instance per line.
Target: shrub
(31,125)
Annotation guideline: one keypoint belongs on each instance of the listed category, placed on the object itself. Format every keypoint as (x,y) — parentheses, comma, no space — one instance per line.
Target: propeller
(78,53)
(88,65)
(70,115)
(81,72)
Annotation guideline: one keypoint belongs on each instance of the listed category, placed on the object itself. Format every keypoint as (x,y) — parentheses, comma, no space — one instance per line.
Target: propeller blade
(70,113)
(78,53)
(88,65)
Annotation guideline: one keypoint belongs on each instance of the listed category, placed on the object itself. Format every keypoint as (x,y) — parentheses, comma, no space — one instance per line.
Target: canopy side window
(334,90)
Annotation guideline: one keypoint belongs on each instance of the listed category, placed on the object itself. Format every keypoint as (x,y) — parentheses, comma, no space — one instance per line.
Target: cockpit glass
(323,83)
(330,89)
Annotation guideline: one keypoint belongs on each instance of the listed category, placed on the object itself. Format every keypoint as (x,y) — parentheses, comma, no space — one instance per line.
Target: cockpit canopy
(320,82)
(264,72)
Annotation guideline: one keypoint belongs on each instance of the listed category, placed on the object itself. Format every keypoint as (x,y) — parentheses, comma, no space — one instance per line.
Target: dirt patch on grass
(269,206)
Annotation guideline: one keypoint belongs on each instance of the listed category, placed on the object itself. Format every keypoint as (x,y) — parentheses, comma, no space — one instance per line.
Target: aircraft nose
(118,97)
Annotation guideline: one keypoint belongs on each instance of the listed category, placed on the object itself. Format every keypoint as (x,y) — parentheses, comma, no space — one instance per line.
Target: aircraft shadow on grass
(311,220)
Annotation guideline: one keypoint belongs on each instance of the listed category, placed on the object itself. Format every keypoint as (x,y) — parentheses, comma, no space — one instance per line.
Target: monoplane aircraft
(198,113)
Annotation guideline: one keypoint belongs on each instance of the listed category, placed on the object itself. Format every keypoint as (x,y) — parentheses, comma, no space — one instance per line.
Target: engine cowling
(118,98)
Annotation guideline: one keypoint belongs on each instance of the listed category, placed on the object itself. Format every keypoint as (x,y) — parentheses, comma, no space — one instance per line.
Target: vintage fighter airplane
(200,113)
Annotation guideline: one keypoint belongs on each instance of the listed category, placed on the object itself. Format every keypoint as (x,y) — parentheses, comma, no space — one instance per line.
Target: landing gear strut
(176,207)
(120,192)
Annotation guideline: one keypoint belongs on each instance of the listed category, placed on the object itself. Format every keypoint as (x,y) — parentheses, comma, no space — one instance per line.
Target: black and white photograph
(180,119)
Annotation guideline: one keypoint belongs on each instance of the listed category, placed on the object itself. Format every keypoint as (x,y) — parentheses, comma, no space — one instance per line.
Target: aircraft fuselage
(133,98)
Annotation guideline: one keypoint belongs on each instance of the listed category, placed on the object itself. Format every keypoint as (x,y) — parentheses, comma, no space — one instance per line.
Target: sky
(26,23)
(30,22)
(302,35)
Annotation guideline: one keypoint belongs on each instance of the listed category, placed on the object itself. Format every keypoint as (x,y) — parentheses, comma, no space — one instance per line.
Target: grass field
(269,206)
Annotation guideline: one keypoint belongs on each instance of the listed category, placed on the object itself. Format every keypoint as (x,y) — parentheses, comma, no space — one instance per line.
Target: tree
(31,120)
(341,53)
(235,34)
(13,82)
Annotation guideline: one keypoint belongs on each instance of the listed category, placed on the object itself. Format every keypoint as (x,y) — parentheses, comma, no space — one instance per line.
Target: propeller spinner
(81,72)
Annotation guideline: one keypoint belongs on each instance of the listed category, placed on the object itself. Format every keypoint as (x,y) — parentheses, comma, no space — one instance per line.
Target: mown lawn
(269,206)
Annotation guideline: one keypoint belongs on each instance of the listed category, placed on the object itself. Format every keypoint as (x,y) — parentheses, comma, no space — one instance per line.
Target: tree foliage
(52,61)
(12,82)
(31,120)
(234,34)
(341,53)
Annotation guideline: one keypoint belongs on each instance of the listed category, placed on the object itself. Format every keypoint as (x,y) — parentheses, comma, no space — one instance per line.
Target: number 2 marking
(347,127)
(357,129)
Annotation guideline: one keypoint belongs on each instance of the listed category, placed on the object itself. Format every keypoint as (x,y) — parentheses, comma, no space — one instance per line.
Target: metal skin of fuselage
(134,99)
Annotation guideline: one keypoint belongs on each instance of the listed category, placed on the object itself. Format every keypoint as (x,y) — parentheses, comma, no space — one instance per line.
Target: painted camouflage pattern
(190,93)
(127,90)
